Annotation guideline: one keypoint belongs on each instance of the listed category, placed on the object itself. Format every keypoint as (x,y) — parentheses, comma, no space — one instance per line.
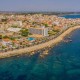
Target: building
(40,31)
(16,23)
(6,42)
(14,29)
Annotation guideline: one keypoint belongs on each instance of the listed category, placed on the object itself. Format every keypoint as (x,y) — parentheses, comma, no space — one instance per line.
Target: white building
(6,43)
(56,23)
(16,23)
(14,29)
(40,31)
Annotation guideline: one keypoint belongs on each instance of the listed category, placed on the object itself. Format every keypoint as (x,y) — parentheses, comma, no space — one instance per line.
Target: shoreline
(39,46)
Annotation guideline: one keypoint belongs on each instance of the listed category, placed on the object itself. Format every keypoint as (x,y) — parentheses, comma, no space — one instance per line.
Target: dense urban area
(20,31)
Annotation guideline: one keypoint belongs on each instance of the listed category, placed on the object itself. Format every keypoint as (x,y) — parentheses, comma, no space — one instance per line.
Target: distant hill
(45,12)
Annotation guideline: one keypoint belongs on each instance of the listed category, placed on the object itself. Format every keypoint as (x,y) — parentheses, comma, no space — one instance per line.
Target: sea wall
(28,50)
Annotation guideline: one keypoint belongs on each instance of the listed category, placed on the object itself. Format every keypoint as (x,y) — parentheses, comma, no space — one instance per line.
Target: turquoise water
(72,16)
(62,63)
(31,38)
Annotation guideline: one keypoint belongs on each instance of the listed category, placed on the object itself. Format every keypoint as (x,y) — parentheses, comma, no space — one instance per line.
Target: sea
(61,63)
(71,16)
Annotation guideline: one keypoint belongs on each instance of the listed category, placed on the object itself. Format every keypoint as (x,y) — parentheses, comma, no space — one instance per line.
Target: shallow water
(62,63)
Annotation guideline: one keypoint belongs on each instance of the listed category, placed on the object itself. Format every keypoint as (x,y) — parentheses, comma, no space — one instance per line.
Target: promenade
(39,46)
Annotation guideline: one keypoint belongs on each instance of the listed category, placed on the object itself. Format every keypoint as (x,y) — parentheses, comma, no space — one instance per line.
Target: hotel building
(39,31)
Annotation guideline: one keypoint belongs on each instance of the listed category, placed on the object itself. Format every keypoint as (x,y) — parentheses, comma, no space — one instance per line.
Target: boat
(70,40)
(69,37)
(67,40)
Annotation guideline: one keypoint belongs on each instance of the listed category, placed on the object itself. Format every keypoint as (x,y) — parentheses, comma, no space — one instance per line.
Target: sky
(39,5)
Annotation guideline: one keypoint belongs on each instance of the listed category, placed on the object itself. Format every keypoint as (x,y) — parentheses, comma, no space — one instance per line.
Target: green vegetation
(24,32)
(0,36)
(14,26)
(46,25)
(30,33)
(4,20)
(12,38)
(53,32)
(3,47)
(33,23)
(56,30)
(5,37)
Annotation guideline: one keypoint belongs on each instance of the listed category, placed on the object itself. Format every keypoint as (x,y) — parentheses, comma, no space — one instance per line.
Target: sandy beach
(39,46)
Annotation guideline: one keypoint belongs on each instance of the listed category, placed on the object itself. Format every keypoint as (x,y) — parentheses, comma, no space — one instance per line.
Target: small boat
(67,40)
(69,37)
(70,40)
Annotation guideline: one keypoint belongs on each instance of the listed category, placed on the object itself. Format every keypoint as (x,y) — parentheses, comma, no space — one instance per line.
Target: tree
(24,32)
(4,20)
(0,36)
(46,25)
(14,26)
(5,36)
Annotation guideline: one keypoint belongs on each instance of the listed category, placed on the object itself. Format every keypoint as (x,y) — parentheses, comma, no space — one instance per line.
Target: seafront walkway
(39,46)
